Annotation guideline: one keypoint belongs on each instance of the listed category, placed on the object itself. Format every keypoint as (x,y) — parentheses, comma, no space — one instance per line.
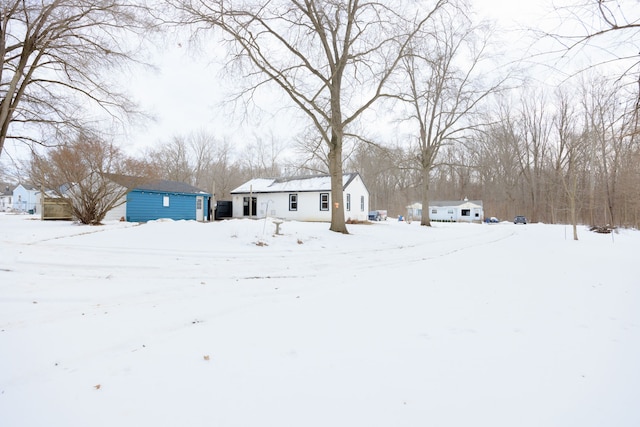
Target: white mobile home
(449,211)
(306,198)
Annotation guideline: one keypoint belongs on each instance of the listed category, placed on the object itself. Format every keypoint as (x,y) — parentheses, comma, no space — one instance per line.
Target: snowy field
(226,324)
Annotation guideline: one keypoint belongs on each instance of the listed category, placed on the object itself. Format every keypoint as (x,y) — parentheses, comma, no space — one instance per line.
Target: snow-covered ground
(226,324)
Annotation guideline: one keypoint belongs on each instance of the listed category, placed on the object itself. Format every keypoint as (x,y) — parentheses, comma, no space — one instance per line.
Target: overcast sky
(186,91)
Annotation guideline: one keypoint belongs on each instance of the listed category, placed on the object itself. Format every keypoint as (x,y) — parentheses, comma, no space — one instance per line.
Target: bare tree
(202,146)
(225,170)
(174,160)
(199,159)
(52,53)
(569,152)
(382,171)
(444,69)
(331,58)
(262,157)
(535,126)
(608,31)
(612,130)
(600,22)
(78,171)
(496,156)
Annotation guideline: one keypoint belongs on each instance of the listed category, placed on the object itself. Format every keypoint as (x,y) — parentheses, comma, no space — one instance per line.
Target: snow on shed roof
(447,203)
(291,184)
(443,203)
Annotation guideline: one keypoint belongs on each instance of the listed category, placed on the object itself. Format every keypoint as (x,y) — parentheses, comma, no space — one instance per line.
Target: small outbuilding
(301,198)
(449,211)
(151,199)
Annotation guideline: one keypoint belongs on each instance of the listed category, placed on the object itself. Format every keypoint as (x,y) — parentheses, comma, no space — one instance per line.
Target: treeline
(457,124)
(548,156)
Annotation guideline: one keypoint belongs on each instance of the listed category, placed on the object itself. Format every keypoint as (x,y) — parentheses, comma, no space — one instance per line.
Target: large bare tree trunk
(337,194)
(426,221)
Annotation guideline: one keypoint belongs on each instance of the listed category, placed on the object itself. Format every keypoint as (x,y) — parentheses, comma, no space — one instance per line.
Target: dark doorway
(246,206)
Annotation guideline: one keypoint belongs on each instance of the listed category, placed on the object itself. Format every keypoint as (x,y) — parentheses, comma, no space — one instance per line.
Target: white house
(26,198)
(449,211)
(306,198)
(6,198)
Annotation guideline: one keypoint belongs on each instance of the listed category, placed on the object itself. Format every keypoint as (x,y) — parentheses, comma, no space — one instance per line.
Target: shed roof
(447,203)
(154,184)
(27,186)
(443,203)
(292,184)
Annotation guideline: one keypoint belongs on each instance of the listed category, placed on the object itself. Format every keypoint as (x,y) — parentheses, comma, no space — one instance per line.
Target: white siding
(6,203)
(443,213)
(308,209)
(118,212)
(277,205)
(451,212)
(356,189)
(25,199)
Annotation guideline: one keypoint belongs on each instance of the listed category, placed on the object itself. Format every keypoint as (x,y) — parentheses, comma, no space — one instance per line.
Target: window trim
(293,202)
(324,204)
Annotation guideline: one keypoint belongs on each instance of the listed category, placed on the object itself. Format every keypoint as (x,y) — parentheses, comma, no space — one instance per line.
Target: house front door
(199,208)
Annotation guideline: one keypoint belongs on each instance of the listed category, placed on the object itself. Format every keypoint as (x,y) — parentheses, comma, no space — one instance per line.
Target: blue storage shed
(151,199)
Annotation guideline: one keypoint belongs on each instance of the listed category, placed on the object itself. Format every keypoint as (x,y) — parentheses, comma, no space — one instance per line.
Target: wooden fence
(56,208)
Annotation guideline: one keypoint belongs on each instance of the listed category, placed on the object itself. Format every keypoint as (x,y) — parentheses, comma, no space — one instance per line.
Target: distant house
(449,211)
(302,198)
(26,198)
(6,197)
(151,199)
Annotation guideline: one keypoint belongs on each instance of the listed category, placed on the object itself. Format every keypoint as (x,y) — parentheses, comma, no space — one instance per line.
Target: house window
(434,211)
(362,203)
(293,202)
(348,201)
(450,211)
(165,201)
(324,201)
(466,212)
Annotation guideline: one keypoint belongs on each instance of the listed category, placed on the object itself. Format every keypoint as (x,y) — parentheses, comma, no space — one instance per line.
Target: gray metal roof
(154,184)
(292,184)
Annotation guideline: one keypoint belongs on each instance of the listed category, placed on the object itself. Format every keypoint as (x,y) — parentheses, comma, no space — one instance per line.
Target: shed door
(199,208)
